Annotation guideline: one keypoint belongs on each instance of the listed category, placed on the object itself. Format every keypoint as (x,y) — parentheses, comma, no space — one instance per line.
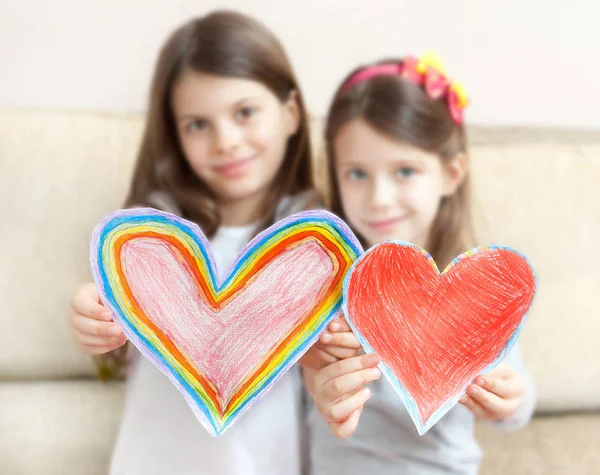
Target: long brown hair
(403,111)
(225,44)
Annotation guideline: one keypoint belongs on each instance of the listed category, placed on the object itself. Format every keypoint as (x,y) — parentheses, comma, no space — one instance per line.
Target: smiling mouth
(385,224)
(235,168)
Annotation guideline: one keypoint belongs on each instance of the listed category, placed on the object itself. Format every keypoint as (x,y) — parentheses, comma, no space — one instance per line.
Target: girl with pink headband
(398,170)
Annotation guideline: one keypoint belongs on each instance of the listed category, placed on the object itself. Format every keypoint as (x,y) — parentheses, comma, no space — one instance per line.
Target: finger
(504,388)
(477,409)
(339,325)
(340,411)
(317,358)
(93,327)
(88,340)
(348,427)
(346,339)
(503,370)
(99,350)
(347,366)
(348,383)
(341,353)
(87,302)
(496,406)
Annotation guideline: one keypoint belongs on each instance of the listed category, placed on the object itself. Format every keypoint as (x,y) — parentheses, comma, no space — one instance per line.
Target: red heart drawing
(436,332)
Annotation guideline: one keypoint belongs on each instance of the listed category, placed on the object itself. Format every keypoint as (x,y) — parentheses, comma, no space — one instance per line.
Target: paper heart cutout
(225,344)
(436,332)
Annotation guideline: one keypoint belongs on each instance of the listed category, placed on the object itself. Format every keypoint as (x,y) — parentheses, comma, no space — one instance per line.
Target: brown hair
(402,110)
(225,44)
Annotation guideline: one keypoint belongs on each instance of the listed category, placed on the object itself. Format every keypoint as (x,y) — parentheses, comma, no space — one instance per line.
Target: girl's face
(233,132)
(390,190)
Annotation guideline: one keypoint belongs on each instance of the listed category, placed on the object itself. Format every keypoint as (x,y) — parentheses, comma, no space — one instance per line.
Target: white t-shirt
(160,435)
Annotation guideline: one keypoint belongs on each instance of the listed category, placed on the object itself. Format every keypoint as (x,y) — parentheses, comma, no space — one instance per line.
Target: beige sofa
(61,172)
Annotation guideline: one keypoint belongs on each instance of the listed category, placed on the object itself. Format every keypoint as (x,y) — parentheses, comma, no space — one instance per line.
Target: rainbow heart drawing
(222,344)
(435,332)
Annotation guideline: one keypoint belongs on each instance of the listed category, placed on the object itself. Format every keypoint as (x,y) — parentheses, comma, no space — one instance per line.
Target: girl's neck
(242,212)
(421,241)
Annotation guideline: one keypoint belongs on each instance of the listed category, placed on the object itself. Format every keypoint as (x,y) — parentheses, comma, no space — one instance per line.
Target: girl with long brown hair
(226,146)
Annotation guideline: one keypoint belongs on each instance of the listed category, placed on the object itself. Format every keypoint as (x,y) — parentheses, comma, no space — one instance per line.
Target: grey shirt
(386,442)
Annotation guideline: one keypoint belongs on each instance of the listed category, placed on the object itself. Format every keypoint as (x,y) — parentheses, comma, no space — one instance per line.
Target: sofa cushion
(58,427)
(550,445)
(544,200)
(61,173)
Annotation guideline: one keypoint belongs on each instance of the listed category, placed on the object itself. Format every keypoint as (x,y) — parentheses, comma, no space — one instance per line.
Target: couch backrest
(60,173)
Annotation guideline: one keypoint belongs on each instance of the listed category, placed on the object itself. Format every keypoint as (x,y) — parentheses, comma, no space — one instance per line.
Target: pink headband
(427,72)
(371,72)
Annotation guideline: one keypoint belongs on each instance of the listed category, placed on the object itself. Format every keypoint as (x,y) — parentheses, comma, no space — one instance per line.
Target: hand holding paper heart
(339,391)
(92,323)
(436,332)
(496,396)
(333,345)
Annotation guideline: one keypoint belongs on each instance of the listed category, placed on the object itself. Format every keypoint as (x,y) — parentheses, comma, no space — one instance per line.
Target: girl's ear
(454,173)
(292,113)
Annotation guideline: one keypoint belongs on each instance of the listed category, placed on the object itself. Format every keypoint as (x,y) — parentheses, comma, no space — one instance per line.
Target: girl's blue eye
(405,172)
(357,174)
(245,113)
(195,125)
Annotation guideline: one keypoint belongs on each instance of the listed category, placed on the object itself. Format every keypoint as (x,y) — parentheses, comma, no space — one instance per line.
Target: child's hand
(496,395)
(92,323)
(333,345)
(339,393)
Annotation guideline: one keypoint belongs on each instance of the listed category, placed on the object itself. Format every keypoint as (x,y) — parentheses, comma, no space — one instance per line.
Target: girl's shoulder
(292,204)
(163,201)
